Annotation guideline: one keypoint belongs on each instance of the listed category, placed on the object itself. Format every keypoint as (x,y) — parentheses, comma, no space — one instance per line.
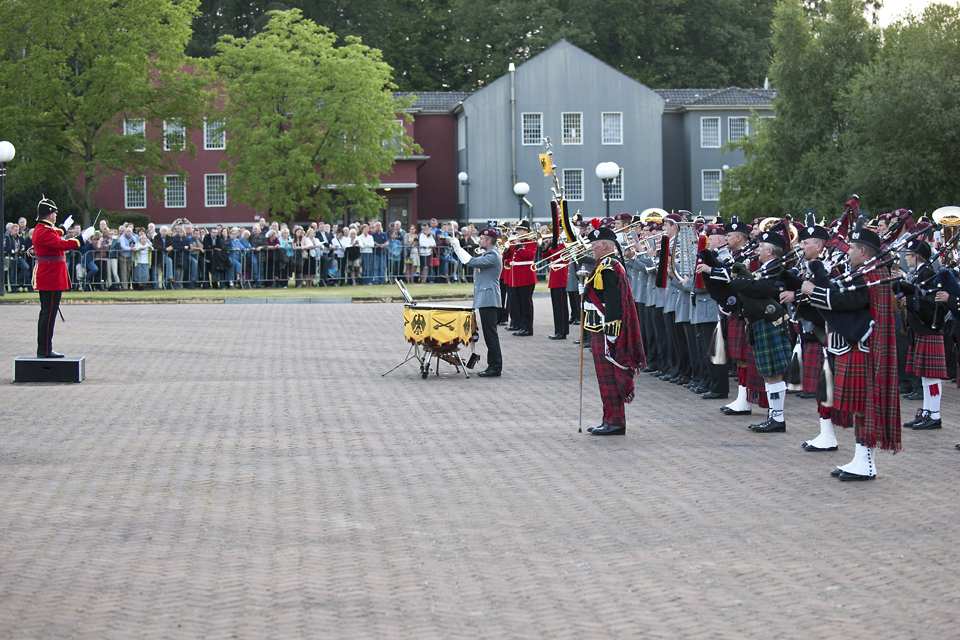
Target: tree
(309,125)
(752,190)
(817,52)
(73,72)
(904,116)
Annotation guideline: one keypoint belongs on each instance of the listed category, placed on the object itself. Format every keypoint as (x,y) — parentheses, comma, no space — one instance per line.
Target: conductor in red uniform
(50,276)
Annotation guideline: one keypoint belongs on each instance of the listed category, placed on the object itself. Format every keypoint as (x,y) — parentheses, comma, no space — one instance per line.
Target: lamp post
(521,189)
(7,152)
(463,177)
(607,172)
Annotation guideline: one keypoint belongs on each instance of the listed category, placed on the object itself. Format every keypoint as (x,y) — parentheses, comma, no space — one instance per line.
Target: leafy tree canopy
(311,125)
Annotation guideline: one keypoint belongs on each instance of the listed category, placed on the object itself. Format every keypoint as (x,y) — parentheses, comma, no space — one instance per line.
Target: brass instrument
(683,251)
(768,223)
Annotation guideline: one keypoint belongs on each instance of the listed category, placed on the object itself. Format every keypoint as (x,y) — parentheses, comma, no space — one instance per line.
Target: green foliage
(310,125)
(752,190)
(817,52)
(904,116)
(73,71)
(437,45)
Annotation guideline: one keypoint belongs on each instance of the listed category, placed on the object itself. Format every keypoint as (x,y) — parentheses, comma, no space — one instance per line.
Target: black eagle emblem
(419,324)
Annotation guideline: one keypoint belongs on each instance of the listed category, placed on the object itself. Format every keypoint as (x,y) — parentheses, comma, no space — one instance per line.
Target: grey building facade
(592,113)
(697,124)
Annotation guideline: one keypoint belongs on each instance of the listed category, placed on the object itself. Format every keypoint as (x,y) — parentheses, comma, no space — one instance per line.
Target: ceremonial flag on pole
(546,164)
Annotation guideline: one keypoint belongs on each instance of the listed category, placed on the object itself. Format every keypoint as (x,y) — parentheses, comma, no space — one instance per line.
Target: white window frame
(563,128)
(616,186)
(208,128)
(523,128)
(136,127)
(171,125)
(746,128)
(603,130)
(140,194)
(703,184)
(207,193)
(166,192)
(567,193)
(703,142)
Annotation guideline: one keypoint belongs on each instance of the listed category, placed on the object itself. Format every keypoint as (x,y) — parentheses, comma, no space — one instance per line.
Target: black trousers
(670,341)
(690,340)
(683,353)
(503,313)
(514,308)
(574,298)
(659,321)
(49,306)
(646,336)
(561,323)
(524,296)
(488,324)
(715,376)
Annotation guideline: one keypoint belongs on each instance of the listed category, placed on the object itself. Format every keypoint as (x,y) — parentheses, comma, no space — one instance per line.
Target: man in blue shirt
(125,258)
(380,243)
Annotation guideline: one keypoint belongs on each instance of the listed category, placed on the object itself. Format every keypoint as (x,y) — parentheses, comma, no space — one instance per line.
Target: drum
(438,327)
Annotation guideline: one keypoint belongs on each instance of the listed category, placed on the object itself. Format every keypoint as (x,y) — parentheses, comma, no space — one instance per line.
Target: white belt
(517,264)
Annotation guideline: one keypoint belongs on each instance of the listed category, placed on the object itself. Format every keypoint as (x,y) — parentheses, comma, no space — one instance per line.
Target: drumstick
(580,427)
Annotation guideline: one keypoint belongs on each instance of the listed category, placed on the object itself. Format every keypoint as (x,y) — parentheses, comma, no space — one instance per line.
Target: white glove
(454,243)
(68,222)
(87,233)
(611,339)
(581,288)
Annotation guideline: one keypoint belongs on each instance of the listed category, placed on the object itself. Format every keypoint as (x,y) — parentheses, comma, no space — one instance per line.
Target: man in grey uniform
(486,294)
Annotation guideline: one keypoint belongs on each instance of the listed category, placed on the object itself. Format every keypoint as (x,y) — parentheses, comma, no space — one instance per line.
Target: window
(710,133)
(710,189)
(134,192)
(573,184)
(174,135)
(135,128)
(175,192)
(213,135)
(532,128)
(616,187)
(394,141)
(572,128)
(215,189)
(611,125)
(738,128)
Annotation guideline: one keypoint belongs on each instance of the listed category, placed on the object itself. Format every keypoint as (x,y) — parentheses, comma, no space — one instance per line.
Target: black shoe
(836,473)
(488,373)
(806,395)
(792,392)
(656,373)
(510,327)
(916,395)
(903,389)
(52,354)
(522,332)
(666,377)
(809,447)
(854,476)
(602,426)
(575,321)
(957,446)
(682,380)
(727,411)
(648,369)
(500,324)
(928,423)
(558,336)
(698,389)
(922,414)
(713,395)
(770,426)
(577,341)
(609,430)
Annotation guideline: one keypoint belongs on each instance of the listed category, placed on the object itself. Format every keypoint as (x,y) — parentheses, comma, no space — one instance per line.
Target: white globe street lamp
(521,189)
(607,172)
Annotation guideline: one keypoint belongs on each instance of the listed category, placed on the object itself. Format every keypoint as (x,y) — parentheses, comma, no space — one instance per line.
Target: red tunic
(522,271)
(556,278)
(506,274)
(50,268)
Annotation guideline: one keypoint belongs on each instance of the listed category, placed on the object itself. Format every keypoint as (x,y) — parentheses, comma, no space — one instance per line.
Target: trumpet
(568,254)
(514,240)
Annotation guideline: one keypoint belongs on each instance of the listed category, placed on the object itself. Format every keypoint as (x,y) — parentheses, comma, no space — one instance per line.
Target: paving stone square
(245,471)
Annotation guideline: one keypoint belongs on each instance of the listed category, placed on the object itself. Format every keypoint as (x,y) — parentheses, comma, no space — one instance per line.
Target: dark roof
(728,97)
(443,101)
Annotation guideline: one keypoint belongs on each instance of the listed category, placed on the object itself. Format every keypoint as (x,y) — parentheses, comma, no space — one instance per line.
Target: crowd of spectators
(269,254)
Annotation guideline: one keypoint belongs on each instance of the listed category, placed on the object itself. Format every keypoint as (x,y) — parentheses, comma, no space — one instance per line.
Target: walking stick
(580,427)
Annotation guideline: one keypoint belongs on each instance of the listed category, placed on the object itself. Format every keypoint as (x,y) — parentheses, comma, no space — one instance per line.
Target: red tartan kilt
(753,381)
(812,365)
(737,338)
(926,358)
(850,382)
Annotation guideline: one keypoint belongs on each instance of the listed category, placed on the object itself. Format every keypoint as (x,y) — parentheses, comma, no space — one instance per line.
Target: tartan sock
(931,396)
(775,396)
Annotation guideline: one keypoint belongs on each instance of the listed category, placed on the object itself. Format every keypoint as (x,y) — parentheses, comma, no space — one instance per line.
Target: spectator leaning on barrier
(366,244)
(257,242)
(380,242)
(351,247)
(125,257)
(141,266)
(427,245)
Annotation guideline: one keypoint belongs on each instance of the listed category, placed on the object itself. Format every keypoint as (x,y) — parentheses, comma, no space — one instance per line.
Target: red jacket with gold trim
(50,263)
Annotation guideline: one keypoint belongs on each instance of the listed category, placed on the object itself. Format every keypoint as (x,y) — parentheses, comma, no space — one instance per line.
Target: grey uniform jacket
(705,309)
(683,303)
(486,279)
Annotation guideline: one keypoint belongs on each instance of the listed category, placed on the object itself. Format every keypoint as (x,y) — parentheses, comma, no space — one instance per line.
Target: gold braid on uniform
(595,280)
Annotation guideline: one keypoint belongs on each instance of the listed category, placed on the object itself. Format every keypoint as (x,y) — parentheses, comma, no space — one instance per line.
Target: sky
(893,9)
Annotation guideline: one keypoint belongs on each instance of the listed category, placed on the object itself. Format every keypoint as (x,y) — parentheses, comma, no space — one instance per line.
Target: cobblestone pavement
(246,472)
